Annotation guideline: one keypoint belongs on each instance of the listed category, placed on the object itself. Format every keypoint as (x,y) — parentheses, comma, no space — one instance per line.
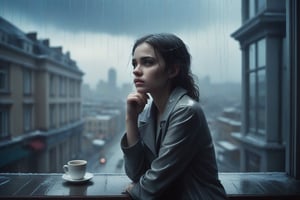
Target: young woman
(168,149)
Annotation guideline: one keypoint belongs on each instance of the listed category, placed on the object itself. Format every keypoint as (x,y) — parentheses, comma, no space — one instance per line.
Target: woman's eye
(148,62)
(134,65)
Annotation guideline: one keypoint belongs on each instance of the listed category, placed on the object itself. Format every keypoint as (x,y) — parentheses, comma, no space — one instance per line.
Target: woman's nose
(137,71)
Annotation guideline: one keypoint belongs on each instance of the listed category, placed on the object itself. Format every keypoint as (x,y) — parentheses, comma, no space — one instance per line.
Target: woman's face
(149,71)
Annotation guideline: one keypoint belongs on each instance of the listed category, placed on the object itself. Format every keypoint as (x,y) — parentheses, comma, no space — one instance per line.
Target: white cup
(75,169)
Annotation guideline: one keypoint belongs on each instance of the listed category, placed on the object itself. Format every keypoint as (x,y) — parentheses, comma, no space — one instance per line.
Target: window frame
(293,126)
(253,72)
(27,82)
(255,7)
(5,75)
(4,110)
(28,117)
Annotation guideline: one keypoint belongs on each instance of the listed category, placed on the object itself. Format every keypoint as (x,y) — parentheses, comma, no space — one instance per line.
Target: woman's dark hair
(174,52)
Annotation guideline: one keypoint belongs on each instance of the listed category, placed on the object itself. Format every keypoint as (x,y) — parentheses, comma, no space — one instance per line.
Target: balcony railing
(111,186)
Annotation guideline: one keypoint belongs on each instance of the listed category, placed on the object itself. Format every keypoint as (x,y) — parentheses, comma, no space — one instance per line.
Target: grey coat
(176,159)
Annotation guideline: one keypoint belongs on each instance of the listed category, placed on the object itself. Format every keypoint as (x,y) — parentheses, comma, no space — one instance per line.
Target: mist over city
(99,34)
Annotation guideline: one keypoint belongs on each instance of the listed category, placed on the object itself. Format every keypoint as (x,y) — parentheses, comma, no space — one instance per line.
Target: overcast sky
(100,33)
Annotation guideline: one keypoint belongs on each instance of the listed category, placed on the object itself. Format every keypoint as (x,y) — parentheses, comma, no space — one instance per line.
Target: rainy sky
(99,34)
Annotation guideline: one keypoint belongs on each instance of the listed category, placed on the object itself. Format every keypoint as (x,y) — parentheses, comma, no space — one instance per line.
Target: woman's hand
(135,104)
(129,187)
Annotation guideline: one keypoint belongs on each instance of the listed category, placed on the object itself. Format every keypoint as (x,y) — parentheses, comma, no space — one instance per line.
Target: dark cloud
(121,16)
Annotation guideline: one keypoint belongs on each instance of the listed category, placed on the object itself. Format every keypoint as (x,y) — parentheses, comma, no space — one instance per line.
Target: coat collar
(147,119)
(148,113)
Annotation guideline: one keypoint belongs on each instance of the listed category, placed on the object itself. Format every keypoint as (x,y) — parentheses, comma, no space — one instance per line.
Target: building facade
(228,154)
(40,103)
(264,75)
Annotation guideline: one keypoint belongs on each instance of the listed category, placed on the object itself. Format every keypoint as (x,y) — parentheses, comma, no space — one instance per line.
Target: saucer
(86,177)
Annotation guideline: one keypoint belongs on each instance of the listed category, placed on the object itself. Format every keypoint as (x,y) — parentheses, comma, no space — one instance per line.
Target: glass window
(252,57)
(27,82)
(261,5)
(4,122)
(27,47)
(251,8)
(62,86)
(53,115)
(261,109)
(4,78)
(28,116)
(255,6)
(261,53)
(252,102)
(52,85)
(257,87)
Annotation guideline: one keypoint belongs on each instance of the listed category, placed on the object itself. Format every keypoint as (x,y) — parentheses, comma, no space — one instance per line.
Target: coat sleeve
(134,158)
(176,152)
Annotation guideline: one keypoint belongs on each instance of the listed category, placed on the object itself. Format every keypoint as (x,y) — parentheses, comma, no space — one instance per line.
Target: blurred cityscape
(48,116)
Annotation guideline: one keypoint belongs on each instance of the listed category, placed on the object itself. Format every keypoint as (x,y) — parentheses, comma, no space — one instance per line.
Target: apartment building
(40,103)
(265,77)
(227,150)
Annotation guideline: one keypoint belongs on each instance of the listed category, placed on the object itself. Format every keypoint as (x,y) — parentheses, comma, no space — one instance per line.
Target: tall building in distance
(112,78)
(109,91)
(40,103)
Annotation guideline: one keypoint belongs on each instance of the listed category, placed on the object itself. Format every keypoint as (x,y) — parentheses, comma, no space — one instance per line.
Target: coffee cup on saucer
(76,169)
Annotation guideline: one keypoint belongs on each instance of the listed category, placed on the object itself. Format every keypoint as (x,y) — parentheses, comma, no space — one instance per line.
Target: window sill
(111,186)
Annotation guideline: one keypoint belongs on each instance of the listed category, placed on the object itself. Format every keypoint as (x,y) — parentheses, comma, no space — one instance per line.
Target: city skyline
(98,45)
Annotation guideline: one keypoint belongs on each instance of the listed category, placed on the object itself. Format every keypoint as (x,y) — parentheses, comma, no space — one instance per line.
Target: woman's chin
(141,90)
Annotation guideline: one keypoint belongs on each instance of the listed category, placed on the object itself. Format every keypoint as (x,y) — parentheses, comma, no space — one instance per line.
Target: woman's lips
(138,82)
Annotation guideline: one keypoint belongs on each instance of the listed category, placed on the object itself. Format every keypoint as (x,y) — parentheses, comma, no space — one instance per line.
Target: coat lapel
(147,121)
(147,128)
(172,101)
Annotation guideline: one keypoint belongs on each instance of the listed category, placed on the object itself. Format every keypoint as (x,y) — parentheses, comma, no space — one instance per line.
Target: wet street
(112,154)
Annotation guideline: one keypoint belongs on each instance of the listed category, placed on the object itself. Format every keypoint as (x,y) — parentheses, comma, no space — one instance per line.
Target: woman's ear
(173,71)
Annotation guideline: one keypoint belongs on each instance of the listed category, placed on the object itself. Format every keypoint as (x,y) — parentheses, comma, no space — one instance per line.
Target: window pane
(27,118)
(252,102)
(53,116)
(252,57)
(52,85)
(261,5)
(261,100)
(3,79)
(27,81)
(261,53)
(3,122)
(251,8)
